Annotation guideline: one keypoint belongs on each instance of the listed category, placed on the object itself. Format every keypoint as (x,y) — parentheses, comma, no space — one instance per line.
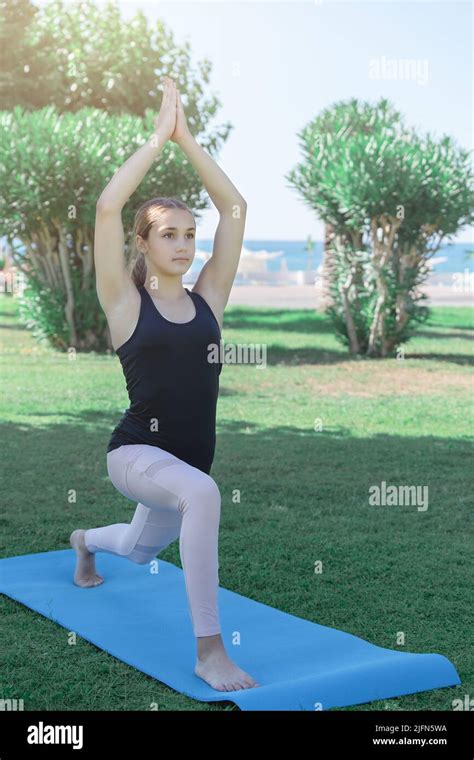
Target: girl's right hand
(165,122)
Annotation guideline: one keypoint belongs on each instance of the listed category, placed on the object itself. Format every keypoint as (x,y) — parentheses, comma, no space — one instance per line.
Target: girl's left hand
(181,129)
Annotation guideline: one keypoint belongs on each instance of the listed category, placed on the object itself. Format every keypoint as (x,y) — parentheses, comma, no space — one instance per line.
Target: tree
(27,68)
(388,197)
(73,55)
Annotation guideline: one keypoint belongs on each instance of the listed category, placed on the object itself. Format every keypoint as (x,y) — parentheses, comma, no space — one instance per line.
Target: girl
(160,454)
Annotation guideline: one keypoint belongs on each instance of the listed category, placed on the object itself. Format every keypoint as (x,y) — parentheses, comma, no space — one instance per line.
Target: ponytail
(139,270)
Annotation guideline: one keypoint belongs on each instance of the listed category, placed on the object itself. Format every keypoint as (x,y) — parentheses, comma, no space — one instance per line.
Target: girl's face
(171,244)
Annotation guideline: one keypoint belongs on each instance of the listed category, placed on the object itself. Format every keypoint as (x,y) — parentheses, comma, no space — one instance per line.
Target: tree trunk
(354,346)
(326,299)
(69,308)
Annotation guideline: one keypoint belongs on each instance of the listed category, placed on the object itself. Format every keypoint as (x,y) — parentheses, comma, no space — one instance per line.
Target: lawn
(303,439)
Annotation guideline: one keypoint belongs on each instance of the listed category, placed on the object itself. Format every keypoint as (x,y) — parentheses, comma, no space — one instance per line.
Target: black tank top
(171,385)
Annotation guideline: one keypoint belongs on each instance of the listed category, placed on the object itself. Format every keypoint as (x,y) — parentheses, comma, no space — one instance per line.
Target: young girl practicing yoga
(160,454)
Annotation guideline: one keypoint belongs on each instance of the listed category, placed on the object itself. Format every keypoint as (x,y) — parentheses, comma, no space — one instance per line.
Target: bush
(389,198)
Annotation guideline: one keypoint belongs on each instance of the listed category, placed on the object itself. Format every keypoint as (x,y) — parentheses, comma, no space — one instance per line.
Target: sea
(452,257)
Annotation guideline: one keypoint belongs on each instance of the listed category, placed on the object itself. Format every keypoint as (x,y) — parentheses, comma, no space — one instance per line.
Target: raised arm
(112,278)
(218,273)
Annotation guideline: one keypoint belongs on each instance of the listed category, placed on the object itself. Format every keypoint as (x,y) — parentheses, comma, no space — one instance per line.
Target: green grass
(304,495)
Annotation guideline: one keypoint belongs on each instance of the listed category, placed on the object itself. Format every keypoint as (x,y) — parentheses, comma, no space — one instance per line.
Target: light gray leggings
(175,500)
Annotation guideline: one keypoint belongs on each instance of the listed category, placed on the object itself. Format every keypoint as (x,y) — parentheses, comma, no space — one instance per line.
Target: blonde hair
(145,215)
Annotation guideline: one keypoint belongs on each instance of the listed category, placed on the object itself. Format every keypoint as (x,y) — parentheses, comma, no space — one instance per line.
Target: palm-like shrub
(389,198)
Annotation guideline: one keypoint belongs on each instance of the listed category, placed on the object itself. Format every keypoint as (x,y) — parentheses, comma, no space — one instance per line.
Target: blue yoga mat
(142,618)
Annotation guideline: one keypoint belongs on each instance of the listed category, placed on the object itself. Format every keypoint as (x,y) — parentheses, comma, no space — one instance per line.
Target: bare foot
(218,670)
(85,574)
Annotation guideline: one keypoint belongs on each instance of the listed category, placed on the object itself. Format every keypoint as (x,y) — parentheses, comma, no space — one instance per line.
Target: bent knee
(202,490)
(140,557)
(136,552)
(143,560)
(208,489)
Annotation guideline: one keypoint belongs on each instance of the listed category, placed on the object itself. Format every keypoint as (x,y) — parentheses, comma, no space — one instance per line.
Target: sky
(276,65)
